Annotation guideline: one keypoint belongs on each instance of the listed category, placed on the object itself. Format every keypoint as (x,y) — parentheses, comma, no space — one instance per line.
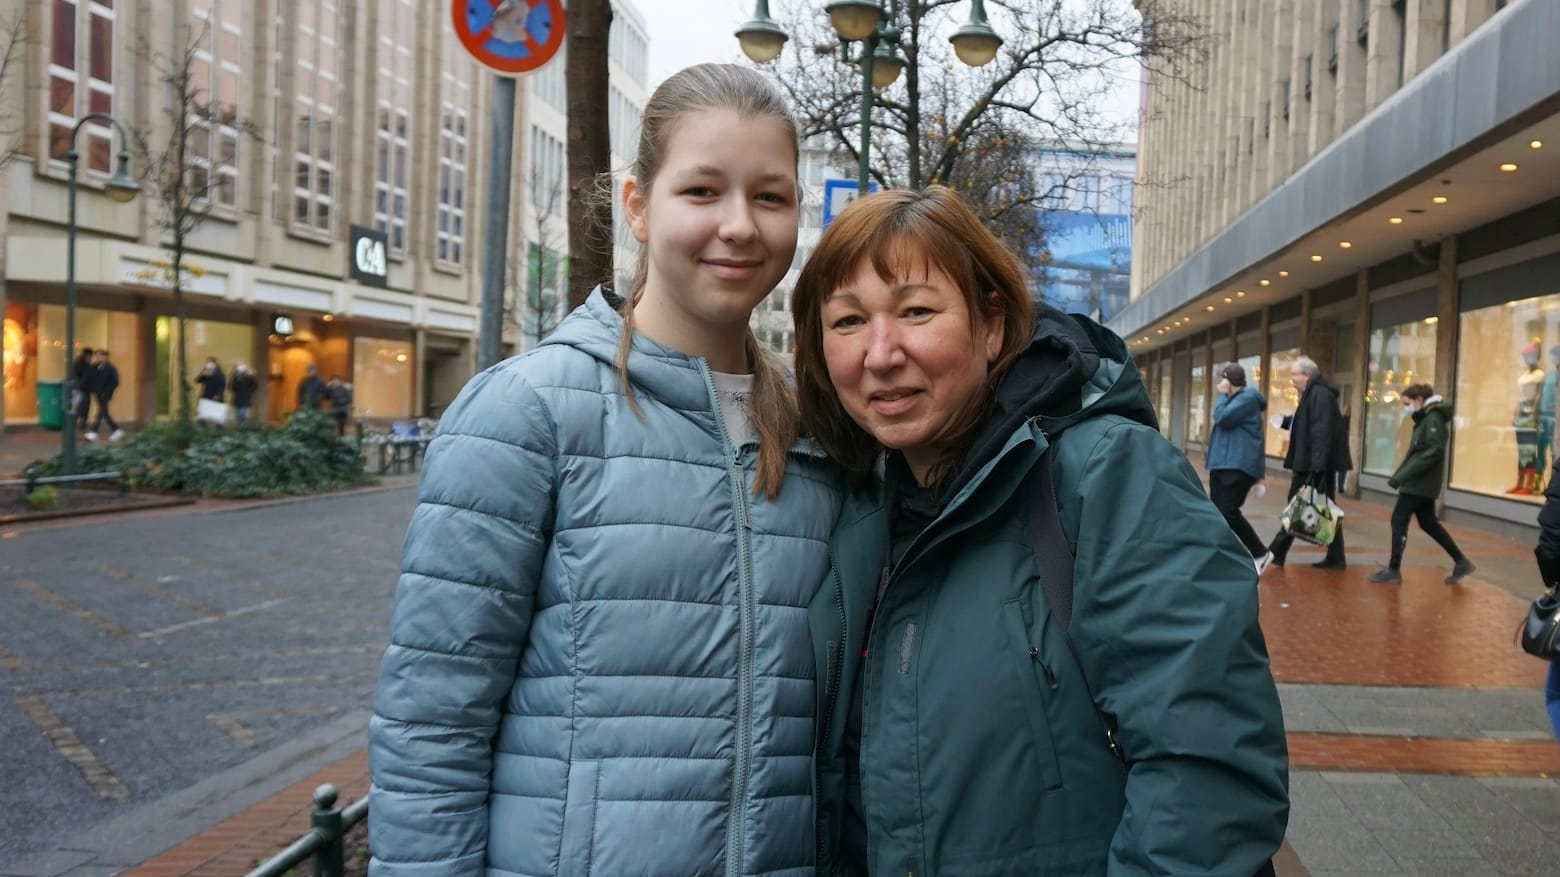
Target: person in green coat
(963,726)
(1418,482)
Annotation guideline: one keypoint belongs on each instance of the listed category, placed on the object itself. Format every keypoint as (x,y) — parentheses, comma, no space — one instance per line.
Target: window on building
(393,120)
(1508,365)
(1283,96)
(454,112)
(315,109)
(82,74)
(1362,31)
(213,143)
(1332,48)
(1307,65)
(1087,195)
(1282,397)
(547,170)
(1399,355)
(548,83)
(626,46)
(1197,425)
(623,124)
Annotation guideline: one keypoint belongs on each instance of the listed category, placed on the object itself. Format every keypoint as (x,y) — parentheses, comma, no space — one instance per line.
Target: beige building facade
(1374,184)
(347,147)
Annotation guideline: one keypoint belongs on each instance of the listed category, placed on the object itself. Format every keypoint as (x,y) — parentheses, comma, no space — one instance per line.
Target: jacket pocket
(579,820)
(1034,678)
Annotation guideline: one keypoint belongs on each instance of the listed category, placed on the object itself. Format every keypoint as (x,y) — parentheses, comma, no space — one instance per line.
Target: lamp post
(122,188)
(867,22)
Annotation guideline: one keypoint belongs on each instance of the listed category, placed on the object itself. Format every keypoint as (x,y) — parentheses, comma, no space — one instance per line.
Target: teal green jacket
(1420,473)
(982,752)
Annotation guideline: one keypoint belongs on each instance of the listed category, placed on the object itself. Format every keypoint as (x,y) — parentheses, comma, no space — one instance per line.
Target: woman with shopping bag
(1318,452)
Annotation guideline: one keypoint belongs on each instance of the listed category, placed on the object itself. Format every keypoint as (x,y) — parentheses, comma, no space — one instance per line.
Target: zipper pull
(1050,677)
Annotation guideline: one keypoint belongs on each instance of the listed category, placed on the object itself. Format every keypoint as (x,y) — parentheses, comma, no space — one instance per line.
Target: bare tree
(590,148)
(182,185)
(13,29)
(536,300)
(977,130)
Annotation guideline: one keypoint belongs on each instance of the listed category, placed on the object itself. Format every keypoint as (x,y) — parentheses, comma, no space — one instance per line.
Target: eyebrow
(897,291)
(709,170)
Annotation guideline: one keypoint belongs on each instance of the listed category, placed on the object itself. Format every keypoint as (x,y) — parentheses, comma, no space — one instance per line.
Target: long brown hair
(750,95)
(892,230)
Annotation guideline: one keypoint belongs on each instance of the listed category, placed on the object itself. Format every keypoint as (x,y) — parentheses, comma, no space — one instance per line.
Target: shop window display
(1508,365)
(1162,403)
(230,343)
(1399,355)
(382,377)
(19,333)
(1282,398)
(1197,410)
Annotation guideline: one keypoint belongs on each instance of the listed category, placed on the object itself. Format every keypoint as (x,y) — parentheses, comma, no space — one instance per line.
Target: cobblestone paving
(138,656)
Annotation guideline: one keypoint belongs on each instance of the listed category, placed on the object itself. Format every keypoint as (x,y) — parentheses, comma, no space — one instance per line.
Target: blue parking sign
(837,195)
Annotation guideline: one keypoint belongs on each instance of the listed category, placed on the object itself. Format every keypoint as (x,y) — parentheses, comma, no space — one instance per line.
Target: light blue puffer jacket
(599,659)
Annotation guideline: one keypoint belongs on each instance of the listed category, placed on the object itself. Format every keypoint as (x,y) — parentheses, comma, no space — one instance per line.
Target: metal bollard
(329,860)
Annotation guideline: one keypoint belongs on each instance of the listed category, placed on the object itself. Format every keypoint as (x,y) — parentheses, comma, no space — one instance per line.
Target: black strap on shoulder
(1054,562)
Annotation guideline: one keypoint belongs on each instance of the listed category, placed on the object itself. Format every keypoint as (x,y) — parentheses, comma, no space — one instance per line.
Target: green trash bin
(51,404)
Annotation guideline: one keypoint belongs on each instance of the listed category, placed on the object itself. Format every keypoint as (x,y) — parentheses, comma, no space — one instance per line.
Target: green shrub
(44,497)
(303,455)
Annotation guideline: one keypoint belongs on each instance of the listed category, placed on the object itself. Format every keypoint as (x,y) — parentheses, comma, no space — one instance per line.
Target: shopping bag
(211,411)
(1312,515)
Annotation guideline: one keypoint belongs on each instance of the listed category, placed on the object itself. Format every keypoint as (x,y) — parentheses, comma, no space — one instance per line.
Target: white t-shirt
(734,393)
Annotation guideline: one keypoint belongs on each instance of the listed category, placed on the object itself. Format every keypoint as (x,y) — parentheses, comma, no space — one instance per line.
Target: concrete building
(332,124)
(1374,184)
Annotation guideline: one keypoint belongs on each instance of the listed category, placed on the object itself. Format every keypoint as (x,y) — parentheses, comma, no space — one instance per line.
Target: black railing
(323,842)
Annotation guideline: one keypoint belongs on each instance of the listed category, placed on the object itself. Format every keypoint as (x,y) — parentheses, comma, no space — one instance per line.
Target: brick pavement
(1409,800)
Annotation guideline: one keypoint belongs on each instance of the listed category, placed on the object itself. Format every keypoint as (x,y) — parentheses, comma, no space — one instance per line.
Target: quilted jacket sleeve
(1165,623)
(463,607)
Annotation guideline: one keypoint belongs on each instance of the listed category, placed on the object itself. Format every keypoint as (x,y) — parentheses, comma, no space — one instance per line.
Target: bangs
(900,240)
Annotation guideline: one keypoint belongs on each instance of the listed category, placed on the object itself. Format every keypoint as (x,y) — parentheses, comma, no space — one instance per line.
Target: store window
(1282,398)
(382,377)
(1162,397)
(34,350)
(1399,355)
(230,343)
(1197,411)
(1508,362)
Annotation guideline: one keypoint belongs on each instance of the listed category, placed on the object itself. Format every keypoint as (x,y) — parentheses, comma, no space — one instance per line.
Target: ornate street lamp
(121,188)
(866,22)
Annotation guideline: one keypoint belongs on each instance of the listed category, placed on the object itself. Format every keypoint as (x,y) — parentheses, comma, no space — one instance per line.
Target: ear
(636,209)
(993,337)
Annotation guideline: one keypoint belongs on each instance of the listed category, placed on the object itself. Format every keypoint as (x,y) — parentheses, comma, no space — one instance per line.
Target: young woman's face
(906,356)
(719,222)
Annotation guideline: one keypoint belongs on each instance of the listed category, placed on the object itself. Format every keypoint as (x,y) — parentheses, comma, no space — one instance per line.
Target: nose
(884,352)
(736,223)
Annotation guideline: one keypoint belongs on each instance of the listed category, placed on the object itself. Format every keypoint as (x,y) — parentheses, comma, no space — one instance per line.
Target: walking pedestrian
(80,398)
(311,390)
(1318,452)
(213,383)
(966,727)
(1235,460)
(245,385)
(102,381)
(599,658)
(338,402)
(1547,553)
(1418,482)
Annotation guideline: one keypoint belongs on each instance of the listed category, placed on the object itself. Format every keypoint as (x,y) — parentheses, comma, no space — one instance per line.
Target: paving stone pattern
(140,655)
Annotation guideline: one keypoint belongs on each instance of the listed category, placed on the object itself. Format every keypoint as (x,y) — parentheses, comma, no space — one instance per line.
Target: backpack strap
(1054,562)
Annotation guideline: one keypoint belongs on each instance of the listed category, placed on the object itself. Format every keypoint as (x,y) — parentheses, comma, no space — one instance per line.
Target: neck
(723,346)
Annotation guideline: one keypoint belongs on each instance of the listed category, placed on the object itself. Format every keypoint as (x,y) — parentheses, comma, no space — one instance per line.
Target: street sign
(837,195)
(509,36)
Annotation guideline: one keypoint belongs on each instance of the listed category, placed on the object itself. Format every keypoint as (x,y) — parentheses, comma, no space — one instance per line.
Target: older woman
(965,727)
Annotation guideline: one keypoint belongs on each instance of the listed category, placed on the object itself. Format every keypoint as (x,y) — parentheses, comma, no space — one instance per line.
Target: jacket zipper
(734,823)
(831,688)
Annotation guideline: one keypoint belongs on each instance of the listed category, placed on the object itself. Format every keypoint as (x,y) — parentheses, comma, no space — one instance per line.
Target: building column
(1467,15)
(1207,387)
(1350,107)
(1384,67)
(1426,23)
(1351,483)
(419,373)
(1266,350)
(1447,302)
(1305,324)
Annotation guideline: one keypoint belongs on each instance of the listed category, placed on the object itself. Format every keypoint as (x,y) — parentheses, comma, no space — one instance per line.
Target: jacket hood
(594,329)
(1073,369)
(1436,404)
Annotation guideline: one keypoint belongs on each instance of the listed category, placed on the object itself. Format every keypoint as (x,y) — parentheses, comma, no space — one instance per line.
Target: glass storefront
(1282,397)
(1162,403)
(382,378)
(1197,413)
(1508,360)
(1399,355)
(230,343)
(34,350)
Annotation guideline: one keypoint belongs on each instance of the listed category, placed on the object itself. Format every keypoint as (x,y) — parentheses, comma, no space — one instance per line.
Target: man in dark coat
(213,383)
(80,399)
(245,385)
(311,390)
(1318,452)
(102,381)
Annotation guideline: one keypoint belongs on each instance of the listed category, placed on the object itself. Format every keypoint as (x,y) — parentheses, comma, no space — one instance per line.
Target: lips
(891,402)
(733,269)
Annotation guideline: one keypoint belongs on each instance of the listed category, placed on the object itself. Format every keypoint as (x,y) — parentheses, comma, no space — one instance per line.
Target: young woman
(964,727)
(599,659)
(1418,482)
